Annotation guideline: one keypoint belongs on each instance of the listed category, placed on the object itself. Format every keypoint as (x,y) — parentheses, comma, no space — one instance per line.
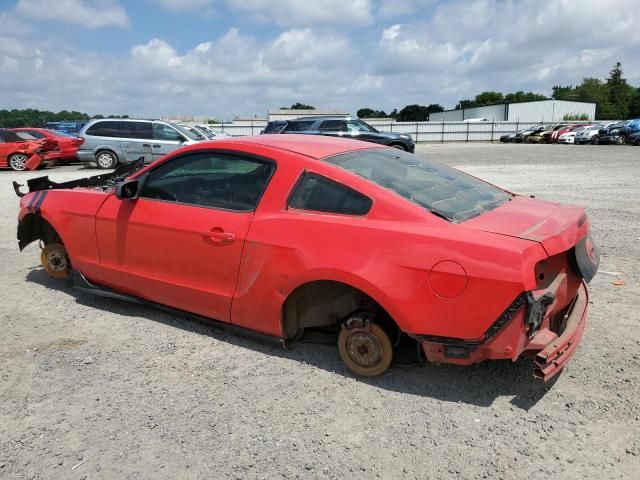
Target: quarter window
(215,180)
(320,194)
(34,134)
(105,129)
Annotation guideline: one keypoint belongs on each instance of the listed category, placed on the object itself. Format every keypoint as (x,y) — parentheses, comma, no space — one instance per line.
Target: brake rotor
(365,350)
(55,260)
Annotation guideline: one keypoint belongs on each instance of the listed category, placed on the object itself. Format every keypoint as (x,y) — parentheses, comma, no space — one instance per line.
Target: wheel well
(100,150)
(326,302)
(398,144)
(34,227)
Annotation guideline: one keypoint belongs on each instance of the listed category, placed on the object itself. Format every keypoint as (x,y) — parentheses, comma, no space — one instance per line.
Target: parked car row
(32,148)
(105,142)
(607,133)
(110,142)
(340,126)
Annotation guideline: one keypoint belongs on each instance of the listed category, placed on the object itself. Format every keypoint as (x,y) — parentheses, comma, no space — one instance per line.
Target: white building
(538,111)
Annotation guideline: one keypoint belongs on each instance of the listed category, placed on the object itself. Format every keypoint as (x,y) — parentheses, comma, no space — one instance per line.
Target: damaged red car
(20,154)
(67,145)
(289,235)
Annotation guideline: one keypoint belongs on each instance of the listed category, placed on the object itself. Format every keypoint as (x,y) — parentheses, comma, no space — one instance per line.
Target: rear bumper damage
(555,355)
(544,324)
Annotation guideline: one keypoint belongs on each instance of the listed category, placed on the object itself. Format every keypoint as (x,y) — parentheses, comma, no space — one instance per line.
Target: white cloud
(467,47)
(87,13)
(459,50)
(180,6)
(397,8)
(304,13)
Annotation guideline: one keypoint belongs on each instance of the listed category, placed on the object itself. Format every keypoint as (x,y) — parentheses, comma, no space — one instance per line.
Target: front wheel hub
(55,260)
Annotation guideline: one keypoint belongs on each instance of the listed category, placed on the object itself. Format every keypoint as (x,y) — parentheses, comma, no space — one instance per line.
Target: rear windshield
(440,189)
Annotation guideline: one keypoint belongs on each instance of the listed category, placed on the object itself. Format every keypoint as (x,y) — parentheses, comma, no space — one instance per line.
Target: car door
(180,243)
(138,138)
(4,152)
(166,139)
(334,128)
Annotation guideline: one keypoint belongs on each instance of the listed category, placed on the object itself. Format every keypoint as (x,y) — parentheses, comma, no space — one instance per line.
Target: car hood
(392,135)
(557,227)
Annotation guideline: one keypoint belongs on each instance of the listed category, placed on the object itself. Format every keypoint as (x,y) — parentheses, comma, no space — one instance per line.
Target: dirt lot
(93,388)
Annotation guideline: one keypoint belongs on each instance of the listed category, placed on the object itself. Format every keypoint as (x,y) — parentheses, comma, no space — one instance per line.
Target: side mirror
(128,190)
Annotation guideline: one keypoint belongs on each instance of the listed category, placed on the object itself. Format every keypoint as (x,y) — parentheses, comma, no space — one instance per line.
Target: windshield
(196,133)
(440,189)
(184,131)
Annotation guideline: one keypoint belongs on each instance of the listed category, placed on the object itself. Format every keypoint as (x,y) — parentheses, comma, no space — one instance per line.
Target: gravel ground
(93,388)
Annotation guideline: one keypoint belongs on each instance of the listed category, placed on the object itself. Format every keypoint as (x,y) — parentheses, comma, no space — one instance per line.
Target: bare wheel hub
(55,260)
(364,349)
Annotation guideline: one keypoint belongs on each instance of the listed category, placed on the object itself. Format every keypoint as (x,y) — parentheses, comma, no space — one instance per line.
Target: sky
(227,58)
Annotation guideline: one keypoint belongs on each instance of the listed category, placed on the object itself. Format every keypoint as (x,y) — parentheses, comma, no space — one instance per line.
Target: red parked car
(20,154)
(565,129)
(67,144)
(279,234)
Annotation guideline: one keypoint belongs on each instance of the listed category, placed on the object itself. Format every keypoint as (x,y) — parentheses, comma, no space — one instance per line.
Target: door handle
(146,145)
(218,235)
(156,145)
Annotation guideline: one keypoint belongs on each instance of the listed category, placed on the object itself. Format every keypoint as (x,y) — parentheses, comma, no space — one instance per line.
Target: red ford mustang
(285,233)
(20,154)
(67,144)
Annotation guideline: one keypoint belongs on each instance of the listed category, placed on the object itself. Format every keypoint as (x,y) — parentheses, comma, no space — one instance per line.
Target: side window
(105,129)
(320,194)
(34,134)
(275,127)
(138,130)
(334,126)
(165,132)
(216,180)
(299,126)
(26,136)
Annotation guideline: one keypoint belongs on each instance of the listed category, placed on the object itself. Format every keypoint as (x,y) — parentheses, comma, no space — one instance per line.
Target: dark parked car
(614,134)
(523,136)
(344,127)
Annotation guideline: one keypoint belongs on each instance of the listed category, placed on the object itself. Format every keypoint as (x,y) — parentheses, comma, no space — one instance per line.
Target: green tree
(465,104)
(299,106)
(488,98)
(371,113)
(521,96)
(35,118)
(413,113)
(620,92)
(634,104)
(435,107)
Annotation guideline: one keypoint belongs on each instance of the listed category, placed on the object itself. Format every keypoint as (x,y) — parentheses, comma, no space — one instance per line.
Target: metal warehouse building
(540,111)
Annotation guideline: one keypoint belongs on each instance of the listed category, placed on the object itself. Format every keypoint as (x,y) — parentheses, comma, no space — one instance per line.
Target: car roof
(314,146)
(321,117)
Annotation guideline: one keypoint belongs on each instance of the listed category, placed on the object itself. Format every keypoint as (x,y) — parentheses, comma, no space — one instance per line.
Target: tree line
(614,99)
(30,117)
